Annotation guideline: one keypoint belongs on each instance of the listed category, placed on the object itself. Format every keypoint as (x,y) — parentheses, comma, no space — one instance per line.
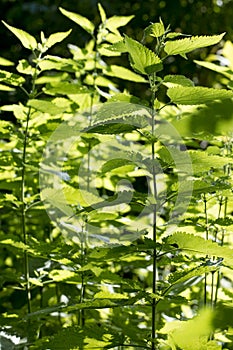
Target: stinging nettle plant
(95,251)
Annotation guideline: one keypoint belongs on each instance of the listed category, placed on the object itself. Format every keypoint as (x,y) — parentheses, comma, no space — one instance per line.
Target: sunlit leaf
(192,334)
(113,164)
(193,244)
(27,40)
(114,22)
(46,106)
(61,275)
(83,22)
(6,88)
(102,13)
(108,295)
(176,80)
(197,95)
(117,110)
(5,62)
(124,73)
(65,88)
(57,38)
(216,68)
(57,63)
(25,68)
(11,78)
(142,59)
(202,161)
(155,29)
(186,45)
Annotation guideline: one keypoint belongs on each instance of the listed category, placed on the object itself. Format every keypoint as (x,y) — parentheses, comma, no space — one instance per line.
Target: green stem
(82,291)
(23,186)
(154,223)
(207,237)
(24,231)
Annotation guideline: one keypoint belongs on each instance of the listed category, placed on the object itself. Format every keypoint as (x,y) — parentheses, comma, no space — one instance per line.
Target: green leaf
(20,111)
(56,198)
(113,164)
(230,85)
(25,68)
(111,128)
(117,47)
(192,334)
(11,78)
(123,73)
(155,29)
(46,106)
(65,88)
(61,64)
(27,40)
(102,13)
(203,162)
(6,88)
(61,275)
(216,68)
(80,20)
(70,338)
(193,245)
(186,274)
(142,59)
(183,46)
(132,113)
(5,62)
(115,22)
(174,80)
(108,295)
(197,95)
(56,38)
(224,221)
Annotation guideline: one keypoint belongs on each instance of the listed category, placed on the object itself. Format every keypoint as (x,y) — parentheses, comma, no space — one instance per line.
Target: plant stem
(24,232)
(154,223)
(207,237)
(23,184)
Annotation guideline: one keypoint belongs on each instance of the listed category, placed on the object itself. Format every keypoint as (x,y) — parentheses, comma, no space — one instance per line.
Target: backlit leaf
(108,295)
(123,110)
(56,38)
(192,244)
(65,88)
(192,334)
(197,95)
(216,68)
(5,62)
(142,59)
(80,20)
(102,13)
(202,161)
(11,78)
(186,45)
(174,80)
(115,22)
(186,274)
(155,29)
(55,62)
(25,68)
(6,88)
(46,106)
(124,73)
(113,164)
(27,40)
(61,275)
